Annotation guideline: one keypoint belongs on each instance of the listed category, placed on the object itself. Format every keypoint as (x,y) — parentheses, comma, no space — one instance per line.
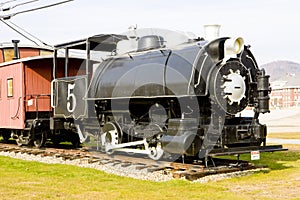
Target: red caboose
(25,91)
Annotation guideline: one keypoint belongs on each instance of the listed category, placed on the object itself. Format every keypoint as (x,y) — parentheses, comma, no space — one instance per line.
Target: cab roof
(101,42)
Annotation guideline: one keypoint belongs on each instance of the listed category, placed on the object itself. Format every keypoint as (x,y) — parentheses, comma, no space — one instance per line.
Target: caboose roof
(29,59)
(6,45)
(22,60)
(101,42)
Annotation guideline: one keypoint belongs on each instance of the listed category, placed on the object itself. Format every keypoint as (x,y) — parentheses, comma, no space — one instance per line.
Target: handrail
(17,113)
(37,97)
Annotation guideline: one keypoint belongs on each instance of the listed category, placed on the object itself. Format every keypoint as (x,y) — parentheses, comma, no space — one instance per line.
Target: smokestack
(211,31)
(16,49)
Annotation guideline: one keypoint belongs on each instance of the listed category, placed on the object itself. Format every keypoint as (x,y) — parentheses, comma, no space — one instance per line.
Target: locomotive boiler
(162,93)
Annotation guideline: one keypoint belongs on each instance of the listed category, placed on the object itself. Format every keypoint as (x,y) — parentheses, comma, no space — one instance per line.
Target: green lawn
(33,180)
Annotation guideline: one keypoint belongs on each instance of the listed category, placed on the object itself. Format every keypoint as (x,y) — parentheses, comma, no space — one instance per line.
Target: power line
(18,29)
(5,17)
(19,32)
(16,5)
(3,3)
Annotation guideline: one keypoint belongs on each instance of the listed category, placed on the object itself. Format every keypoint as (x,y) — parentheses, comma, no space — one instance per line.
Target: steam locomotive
(150,91)
(162,93)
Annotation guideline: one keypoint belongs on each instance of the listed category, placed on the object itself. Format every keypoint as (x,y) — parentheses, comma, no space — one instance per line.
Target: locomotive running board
(245,150)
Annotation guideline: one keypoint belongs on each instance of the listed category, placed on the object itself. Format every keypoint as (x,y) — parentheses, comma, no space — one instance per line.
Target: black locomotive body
(161,99)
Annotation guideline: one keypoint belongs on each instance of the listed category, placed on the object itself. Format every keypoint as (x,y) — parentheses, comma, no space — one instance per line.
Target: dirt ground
(282,120)
(279,121)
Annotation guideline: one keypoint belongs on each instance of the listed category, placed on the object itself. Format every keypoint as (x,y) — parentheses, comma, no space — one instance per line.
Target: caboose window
(10,87)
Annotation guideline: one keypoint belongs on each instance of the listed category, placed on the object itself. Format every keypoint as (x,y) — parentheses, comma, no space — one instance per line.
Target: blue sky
(271,27)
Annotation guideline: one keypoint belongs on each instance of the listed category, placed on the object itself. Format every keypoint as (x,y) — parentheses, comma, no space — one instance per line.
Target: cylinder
(188,143)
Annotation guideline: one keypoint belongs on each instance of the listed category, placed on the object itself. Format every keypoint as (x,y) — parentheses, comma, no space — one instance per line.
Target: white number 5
(70,97)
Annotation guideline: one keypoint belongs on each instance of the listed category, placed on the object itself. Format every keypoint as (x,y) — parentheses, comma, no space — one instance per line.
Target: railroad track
(191,170)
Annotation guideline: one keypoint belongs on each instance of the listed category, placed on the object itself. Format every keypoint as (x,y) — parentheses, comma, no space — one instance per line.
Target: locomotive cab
(72,114)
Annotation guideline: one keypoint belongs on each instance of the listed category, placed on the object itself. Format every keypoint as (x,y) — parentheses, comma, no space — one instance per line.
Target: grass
(33,180)
(281,182)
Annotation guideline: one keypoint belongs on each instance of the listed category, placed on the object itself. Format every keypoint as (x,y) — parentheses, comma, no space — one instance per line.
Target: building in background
(286,92)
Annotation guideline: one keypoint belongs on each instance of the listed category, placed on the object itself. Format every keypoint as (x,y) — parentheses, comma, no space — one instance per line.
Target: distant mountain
(278,69)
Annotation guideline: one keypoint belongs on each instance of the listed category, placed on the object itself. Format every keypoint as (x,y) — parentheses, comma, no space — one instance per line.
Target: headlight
(233,46)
